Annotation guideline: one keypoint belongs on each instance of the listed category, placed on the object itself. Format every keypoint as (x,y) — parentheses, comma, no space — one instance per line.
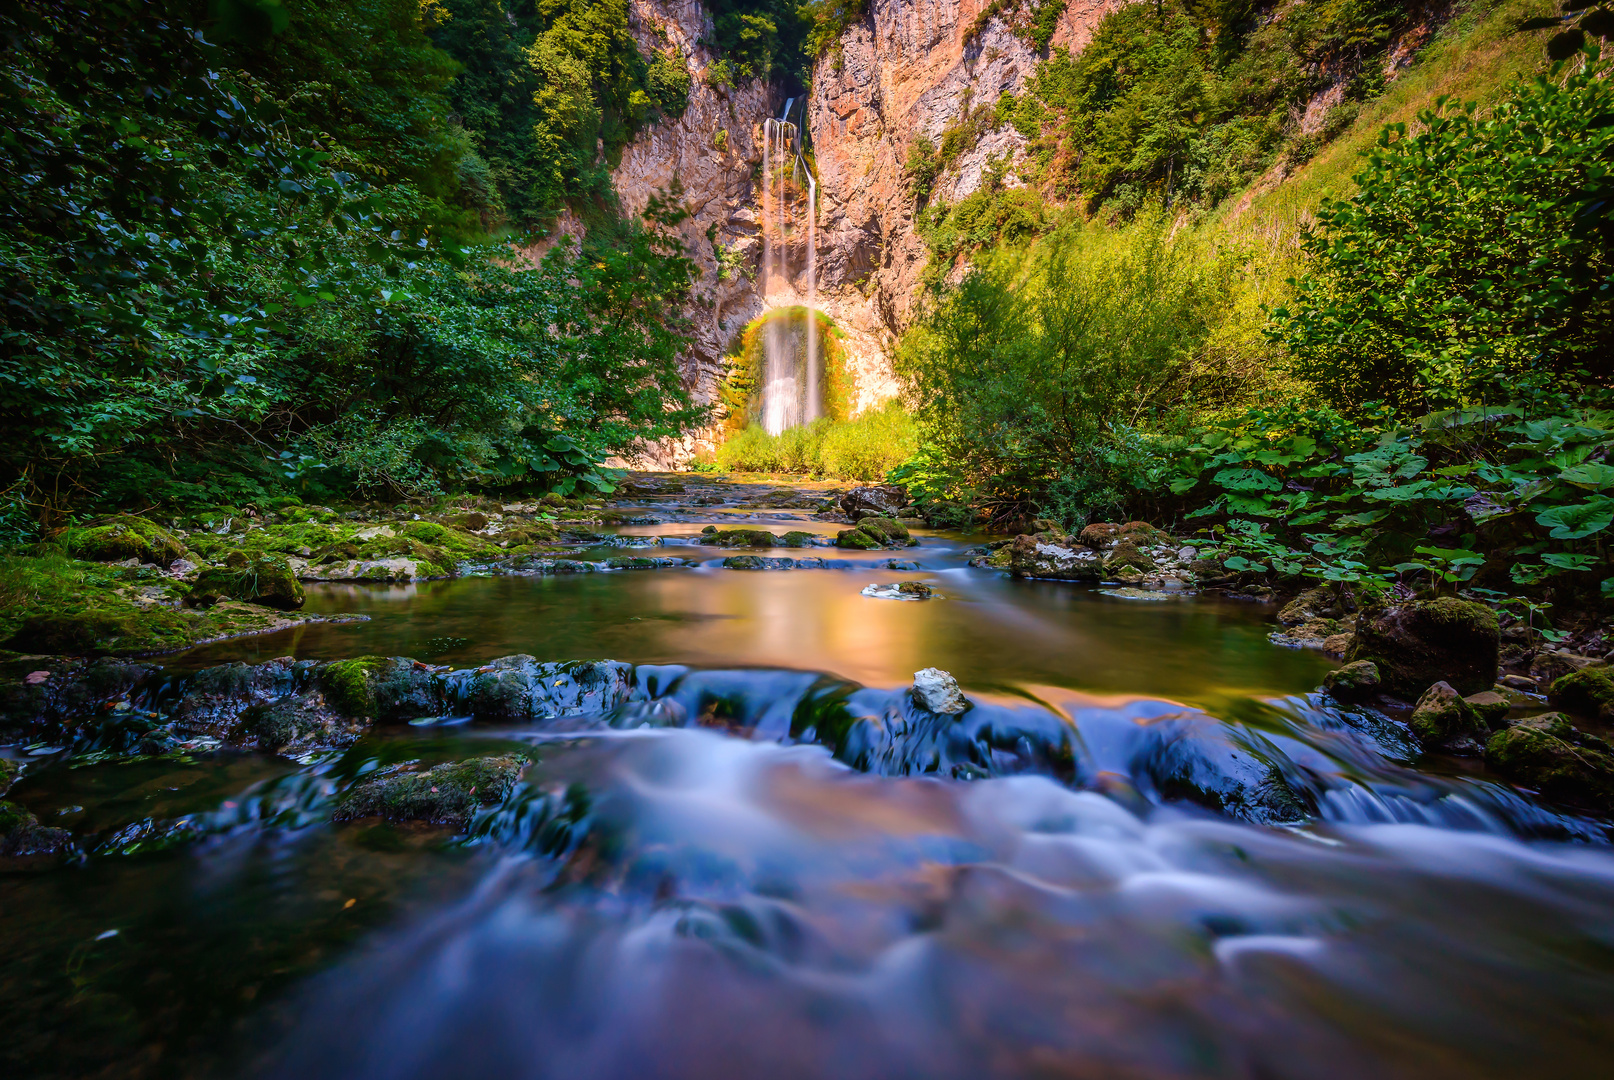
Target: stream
(1109,894)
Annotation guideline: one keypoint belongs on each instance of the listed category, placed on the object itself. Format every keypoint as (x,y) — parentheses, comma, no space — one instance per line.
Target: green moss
(1589,692)
(349,684)
(1442,716)
(1125,555)
(754,538)
(795,538)
(427,532)
(123,537)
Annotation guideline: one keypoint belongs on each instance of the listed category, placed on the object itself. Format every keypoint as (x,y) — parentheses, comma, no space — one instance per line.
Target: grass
(1477,56)
(865,447)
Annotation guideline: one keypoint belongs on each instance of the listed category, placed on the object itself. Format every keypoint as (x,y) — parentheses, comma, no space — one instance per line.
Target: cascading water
(791,378)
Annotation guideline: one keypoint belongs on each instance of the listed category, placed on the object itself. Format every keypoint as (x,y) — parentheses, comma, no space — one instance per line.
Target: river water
(1111,892)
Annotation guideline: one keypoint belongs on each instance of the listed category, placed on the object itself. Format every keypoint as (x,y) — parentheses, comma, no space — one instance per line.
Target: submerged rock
(1549,754)
(447,794)
(752,538)
(937,691)
(1419,642)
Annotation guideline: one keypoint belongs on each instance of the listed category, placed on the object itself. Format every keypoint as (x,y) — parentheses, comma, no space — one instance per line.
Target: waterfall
(792,373)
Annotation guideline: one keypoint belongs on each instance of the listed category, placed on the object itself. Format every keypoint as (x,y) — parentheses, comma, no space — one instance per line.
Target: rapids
(769,863)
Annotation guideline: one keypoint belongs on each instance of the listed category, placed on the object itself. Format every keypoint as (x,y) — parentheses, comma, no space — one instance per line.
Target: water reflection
(989,629)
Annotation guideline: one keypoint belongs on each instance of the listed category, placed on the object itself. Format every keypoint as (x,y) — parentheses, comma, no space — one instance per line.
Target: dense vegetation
(244,253)
(1430,398)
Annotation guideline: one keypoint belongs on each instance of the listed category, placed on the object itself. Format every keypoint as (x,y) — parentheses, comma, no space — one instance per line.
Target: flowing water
(696,887)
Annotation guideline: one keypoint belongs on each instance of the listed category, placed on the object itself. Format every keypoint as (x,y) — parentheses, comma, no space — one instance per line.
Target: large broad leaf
(1591,474)
(1247,480)
(1582,519)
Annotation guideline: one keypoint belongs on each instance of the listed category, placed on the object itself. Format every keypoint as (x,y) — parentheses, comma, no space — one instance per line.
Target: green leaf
(1580,520)
(1569,562)
(1591,474)
(1247,480)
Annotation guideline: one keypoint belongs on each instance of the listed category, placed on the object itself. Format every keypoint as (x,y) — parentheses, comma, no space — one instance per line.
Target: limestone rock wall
(906,72)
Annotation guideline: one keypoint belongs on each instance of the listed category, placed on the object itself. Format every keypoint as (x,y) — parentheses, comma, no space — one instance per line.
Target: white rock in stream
(938,691)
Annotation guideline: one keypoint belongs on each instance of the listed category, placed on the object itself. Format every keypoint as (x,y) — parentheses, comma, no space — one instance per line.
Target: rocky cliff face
(905,71)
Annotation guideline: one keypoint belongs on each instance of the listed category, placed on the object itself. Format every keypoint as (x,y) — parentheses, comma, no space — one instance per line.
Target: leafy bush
(1474,255)
(1036,367)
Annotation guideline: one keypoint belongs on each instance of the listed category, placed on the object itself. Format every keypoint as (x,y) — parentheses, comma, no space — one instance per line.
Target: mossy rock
(796,538)
(22,834)
(1100,535)
(1549,754)
(266,581)
(448,794)
(1587,692)
(885,530)
(1353,682)
(276,724)
(471,521)
(8,774)
(856,539)
(1126,556)
(1420,642)
(349,685)
(1491,707)
(427,532)
(124,537)
(1443,720)
(753,538)
(1142,534)
(70,634)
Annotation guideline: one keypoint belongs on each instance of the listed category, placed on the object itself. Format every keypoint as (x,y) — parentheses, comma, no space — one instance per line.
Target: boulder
(1142,534)
(1442,720)
(472,521)
(1100,535)
(1312,604)
(124,537)
(22,834)
(885,530)
(1354,681)
(1550,755)
(880,500)
(1491,708)
(1126,555)
(1337,645)
(1035,557)
(916,589)
(1418,642)
(856,539)
(937,691)
(1587,692)
(266,580)
(751,538)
